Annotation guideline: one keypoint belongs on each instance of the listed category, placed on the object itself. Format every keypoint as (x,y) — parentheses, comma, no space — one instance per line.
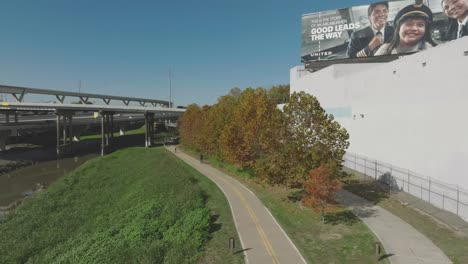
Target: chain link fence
(445,196)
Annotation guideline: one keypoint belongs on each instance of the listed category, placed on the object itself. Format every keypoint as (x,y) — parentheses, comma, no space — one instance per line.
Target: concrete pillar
(112,129)
(3,138)
(58,134)
(146,130)
(64,128)
(2,143)
(102,134)
(70,119)
(152,128)
(109,131)
(106,116)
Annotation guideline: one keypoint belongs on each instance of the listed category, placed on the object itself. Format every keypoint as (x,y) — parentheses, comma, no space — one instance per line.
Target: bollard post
(377,249)
(232,244)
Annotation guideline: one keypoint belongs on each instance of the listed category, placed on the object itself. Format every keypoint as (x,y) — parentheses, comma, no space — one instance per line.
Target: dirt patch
(330,236)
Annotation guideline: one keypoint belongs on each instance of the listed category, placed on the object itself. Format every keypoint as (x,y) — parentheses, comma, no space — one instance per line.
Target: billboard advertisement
(382,28)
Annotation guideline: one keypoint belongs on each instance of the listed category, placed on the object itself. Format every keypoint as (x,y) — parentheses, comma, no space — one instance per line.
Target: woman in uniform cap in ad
(412,31)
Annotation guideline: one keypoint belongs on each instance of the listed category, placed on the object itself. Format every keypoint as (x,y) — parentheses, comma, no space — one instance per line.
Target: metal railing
(445,196)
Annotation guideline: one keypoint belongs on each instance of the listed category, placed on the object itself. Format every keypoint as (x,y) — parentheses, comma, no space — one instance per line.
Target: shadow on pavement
(372,191)
(385,256)
(242,250)
(344,217)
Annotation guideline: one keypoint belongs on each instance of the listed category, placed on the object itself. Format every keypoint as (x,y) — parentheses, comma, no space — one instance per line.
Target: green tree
(312,137)
(279,94)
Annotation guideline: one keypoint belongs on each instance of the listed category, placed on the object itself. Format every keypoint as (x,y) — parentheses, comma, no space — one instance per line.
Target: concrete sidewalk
(403,243)
(262,238)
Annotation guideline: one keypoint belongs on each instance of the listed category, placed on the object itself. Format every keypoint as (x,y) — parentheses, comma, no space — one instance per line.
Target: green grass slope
(133,206)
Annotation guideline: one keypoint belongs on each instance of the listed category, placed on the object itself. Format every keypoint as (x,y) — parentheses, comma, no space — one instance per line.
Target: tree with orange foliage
(190,126)
(242,139)
(217,118)
(321,187)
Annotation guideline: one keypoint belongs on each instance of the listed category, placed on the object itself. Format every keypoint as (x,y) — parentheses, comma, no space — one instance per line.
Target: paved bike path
(402,242)
(262,238)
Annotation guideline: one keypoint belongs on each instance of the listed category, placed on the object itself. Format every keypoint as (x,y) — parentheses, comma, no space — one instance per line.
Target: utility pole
(170,88)
(79,87)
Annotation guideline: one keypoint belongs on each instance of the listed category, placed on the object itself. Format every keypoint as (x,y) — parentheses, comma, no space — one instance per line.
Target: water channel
(23,182)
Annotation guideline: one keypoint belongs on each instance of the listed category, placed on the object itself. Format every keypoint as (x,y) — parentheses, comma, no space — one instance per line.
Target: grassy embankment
(133,206)
(342,239)
(452,242)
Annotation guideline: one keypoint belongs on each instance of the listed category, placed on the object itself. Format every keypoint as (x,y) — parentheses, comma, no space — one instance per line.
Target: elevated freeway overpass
(72,117)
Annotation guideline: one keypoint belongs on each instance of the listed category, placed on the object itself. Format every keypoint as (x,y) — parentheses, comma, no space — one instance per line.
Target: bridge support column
(70,125)
(149,129)
(64,124)
(112,129)
(4,134)
(64,127)
(58,134)
(107,132)
(106,120)
(102,135)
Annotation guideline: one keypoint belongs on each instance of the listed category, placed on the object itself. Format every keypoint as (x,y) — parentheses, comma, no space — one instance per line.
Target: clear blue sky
(127,47)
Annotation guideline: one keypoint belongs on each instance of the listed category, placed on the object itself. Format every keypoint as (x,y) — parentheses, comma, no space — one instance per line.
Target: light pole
(170,88)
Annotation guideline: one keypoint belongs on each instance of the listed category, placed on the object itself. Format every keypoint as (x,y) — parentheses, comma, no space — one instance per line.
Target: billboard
(380,28)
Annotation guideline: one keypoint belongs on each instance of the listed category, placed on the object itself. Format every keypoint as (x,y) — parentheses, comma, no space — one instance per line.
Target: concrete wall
(411,112)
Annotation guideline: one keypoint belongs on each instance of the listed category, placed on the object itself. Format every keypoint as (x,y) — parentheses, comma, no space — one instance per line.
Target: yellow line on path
(253,216)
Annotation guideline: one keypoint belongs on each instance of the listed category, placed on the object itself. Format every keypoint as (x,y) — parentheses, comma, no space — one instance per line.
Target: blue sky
(127,47)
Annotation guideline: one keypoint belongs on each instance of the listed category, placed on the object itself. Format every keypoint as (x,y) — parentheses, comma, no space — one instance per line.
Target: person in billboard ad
(412,31)
(382,28)
(364,42)
(457,11)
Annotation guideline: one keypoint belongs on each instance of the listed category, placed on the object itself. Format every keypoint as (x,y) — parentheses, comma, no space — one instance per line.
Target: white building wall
(402,112)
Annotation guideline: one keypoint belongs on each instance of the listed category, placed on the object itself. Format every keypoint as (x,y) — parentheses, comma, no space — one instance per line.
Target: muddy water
(22,182)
